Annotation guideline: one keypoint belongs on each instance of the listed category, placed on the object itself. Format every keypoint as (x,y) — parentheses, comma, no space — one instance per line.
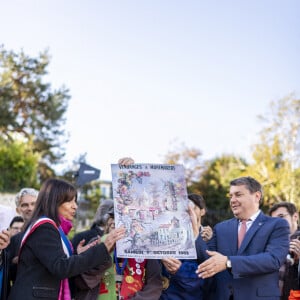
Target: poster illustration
(151,202)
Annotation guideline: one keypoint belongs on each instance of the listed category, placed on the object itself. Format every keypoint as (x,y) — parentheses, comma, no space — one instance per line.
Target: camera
(290,257)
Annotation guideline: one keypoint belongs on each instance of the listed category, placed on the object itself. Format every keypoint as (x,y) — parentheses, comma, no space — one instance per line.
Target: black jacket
(43,264)
(12,252)
(4,267)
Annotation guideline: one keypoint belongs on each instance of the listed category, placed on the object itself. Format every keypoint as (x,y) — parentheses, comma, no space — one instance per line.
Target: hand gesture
(4,239)
(113,236)
(213,265)
(126,161)
(82,248)
(206,233)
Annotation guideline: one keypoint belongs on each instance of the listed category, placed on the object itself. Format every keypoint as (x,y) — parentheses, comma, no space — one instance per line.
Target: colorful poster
(151,202)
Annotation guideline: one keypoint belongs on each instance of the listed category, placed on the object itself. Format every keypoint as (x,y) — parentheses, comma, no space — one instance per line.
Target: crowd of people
(251,256)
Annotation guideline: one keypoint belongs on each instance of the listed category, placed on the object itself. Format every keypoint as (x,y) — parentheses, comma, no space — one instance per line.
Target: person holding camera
(288,273)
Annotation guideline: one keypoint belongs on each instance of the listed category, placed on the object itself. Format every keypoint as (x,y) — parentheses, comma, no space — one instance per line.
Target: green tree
(214,185)
(18,165)
(190,158)
(276,155)
(92,193)
(31,108)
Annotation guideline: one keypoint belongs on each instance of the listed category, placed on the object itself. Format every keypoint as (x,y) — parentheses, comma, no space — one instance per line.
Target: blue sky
(143,74)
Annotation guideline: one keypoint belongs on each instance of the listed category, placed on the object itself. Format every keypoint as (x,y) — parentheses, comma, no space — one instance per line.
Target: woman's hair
(198,200)
(52,194)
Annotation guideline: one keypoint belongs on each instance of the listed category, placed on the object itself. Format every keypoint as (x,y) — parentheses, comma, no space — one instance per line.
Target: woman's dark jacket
(43,263)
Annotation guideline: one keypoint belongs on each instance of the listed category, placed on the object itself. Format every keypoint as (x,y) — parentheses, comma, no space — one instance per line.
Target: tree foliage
(276,155)
(214,185)
(190,158)
(18,165)
(92,192)
(31,108)
(276,163)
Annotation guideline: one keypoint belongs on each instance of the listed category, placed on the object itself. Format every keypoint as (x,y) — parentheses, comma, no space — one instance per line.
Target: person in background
(25,202)
(246,251)
(88,283)
(16,225)
(200,210)
(45,260)
(288,273)
(4,242)
(179,276)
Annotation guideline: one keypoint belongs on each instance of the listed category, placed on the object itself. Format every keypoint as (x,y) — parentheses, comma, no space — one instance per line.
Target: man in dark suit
(246,251)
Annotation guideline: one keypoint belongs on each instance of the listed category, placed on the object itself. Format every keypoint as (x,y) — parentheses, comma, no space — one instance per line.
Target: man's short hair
(290,207)
(252,185)
(15,220)
(25,191)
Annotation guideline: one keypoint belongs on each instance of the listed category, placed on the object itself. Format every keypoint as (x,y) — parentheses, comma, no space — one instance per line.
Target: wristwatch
(228,263)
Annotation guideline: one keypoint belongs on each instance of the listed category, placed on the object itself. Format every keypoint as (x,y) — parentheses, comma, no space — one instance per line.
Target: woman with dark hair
(46,260)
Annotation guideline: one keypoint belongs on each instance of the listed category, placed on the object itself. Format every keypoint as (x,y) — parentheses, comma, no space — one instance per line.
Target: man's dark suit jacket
(255,265)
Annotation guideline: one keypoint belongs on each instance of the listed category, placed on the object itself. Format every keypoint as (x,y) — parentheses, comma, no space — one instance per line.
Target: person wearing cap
(81,287)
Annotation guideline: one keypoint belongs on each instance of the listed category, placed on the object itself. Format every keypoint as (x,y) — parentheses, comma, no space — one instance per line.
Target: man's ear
(258,196)
(17,210)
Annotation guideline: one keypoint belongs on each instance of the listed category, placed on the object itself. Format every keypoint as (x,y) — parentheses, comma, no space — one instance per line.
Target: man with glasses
(288,273)
(246,251)
(16,225)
